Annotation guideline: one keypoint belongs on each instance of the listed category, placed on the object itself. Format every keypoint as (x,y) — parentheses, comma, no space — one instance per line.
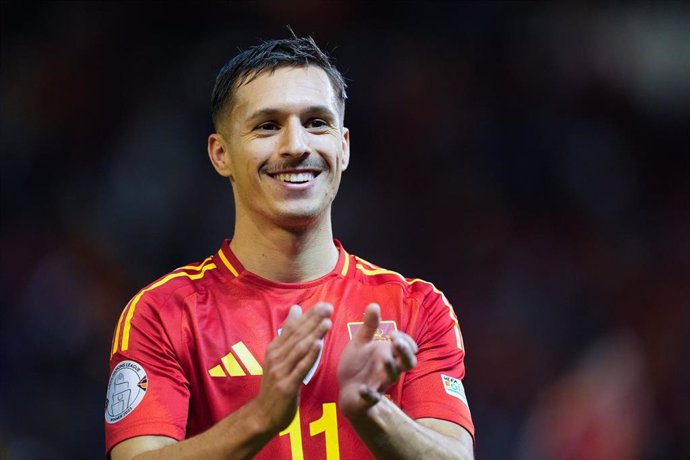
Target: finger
(299,325)
(294,314)
(300,344)
(372,318)
(305,363)
(317,320)
(392,370)
(404,351)
(323,309)
(295,341)
(369,395)
(407,339)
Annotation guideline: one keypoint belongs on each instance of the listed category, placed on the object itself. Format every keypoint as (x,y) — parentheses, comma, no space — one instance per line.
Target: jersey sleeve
(148,392)
(433,388)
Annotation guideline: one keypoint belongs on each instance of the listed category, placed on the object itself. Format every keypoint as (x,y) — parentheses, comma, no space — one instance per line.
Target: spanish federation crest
(126,389)
(382,334)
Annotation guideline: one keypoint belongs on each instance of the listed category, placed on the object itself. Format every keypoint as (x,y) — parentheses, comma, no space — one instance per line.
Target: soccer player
(282,344)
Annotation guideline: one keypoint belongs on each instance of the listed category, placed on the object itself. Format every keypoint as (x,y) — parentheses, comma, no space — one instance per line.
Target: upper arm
(148,390)
(451,430)
(132,447)
(433,389)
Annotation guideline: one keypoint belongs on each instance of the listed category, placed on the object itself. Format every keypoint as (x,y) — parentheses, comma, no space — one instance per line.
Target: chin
(301,218)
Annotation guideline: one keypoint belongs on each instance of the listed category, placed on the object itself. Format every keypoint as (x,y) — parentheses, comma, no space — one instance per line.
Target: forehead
(285,89)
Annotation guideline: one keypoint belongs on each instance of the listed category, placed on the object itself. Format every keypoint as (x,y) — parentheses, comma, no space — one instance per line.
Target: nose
(293,140)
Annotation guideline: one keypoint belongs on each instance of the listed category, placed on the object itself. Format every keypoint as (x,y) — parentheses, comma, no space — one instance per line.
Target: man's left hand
(368,367)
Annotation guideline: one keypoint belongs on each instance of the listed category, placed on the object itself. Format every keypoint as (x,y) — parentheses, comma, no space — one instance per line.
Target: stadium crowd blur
(531,159)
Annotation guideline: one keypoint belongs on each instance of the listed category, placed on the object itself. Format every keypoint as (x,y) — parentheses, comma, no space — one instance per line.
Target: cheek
(331,149)
(244,165)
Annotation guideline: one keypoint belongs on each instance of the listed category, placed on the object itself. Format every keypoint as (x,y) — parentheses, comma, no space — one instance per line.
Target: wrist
(258,422)
(372,415)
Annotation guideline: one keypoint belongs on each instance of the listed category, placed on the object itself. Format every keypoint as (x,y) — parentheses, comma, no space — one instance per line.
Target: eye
(268,126)
(317,124)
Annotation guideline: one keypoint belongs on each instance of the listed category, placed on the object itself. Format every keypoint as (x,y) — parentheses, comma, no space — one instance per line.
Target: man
(356,359)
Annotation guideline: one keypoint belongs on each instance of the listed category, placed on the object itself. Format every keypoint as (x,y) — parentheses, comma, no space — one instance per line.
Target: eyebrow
(313,109)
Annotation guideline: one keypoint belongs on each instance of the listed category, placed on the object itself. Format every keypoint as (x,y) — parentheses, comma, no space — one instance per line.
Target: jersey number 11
(327,424)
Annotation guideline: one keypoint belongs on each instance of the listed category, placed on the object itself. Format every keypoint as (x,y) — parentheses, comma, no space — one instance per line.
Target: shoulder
(168,294)
(181,282)
(437,312)
(416,288)
(161,303)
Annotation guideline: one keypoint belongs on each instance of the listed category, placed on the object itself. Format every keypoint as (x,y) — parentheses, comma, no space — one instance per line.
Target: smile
(295,177)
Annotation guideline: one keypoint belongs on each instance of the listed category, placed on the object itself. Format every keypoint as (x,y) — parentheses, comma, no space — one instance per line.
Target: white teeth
(295,177)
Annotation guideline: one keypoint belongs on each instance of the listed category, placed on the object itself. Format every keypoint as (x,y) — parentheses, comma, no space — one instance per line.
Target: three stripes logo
(230,366)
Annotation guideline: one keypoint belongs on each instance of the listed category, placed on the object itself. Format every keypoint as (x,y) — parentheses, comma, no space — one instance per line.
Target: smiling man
(282,344)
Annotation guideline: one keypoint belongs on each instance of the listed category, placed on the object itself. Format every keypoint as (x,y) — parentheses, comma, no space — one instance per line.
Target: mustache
(309,162)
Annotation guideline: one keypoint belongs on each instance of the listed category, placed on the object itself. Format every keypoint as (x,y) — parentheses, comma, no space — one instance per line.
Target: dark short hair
(269,56)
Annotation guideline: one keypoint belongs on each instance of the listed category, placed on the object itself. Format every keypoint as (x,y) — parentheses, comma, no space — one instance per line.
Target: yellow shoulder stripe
(367,262)
(227,263)
(117,329)
(453,316)
(443,296)
(374,270)
(193,266)
(377,271)
(133,303)
(346,265)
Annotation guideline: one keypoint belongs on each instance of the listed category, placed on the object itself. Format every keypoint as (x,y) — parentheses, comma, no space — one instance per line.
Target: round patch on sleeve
(126,389)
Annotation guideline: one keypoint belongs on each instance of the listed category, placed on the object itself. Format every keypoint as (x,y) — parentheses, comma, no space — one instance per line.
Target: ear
(219,156)
(345,159)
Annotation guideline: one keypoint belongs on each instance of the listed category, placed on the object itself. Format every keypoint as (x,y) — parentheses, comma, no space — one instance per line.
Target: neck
(285,255)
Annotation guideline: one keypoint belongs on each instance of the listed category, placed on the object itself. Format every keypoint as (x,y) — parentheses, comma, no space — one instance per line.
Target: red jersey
(188,351)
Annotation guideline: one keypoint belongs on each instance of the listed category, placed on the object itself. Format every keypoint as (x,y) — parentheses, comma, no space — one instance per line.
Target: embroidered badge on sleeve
(126,389)
(454,388)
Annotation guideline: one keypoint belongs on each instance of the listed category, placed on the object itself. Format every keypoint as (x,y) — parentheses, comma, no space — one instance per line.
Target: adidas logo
(230,366)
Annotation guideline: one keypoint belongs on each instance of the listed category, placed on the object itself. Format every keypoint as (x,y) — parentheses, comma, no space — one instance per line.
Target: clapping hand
(288,359)
(368,367)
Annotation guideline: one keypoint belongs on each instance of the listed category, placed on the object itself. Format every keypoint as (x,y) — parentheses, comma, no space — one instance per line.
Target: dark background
(531,159)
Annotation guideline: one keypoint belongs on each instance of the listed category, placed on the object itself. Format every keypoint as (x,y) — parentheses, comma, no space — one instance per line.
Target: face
(283,146)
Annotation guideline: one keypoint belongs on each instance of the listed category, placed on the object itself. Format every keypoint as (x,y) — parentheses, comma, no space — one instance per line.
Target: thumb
(372,317)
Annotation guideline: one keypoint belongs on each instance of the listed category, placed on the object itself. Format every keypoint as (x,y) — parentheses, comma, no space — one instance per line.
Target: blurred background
(531,159)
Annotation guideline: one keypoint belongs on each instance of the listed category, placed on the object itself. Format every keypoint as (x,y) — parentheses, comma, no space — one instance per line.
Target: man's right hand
(244,432)
(288,359)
